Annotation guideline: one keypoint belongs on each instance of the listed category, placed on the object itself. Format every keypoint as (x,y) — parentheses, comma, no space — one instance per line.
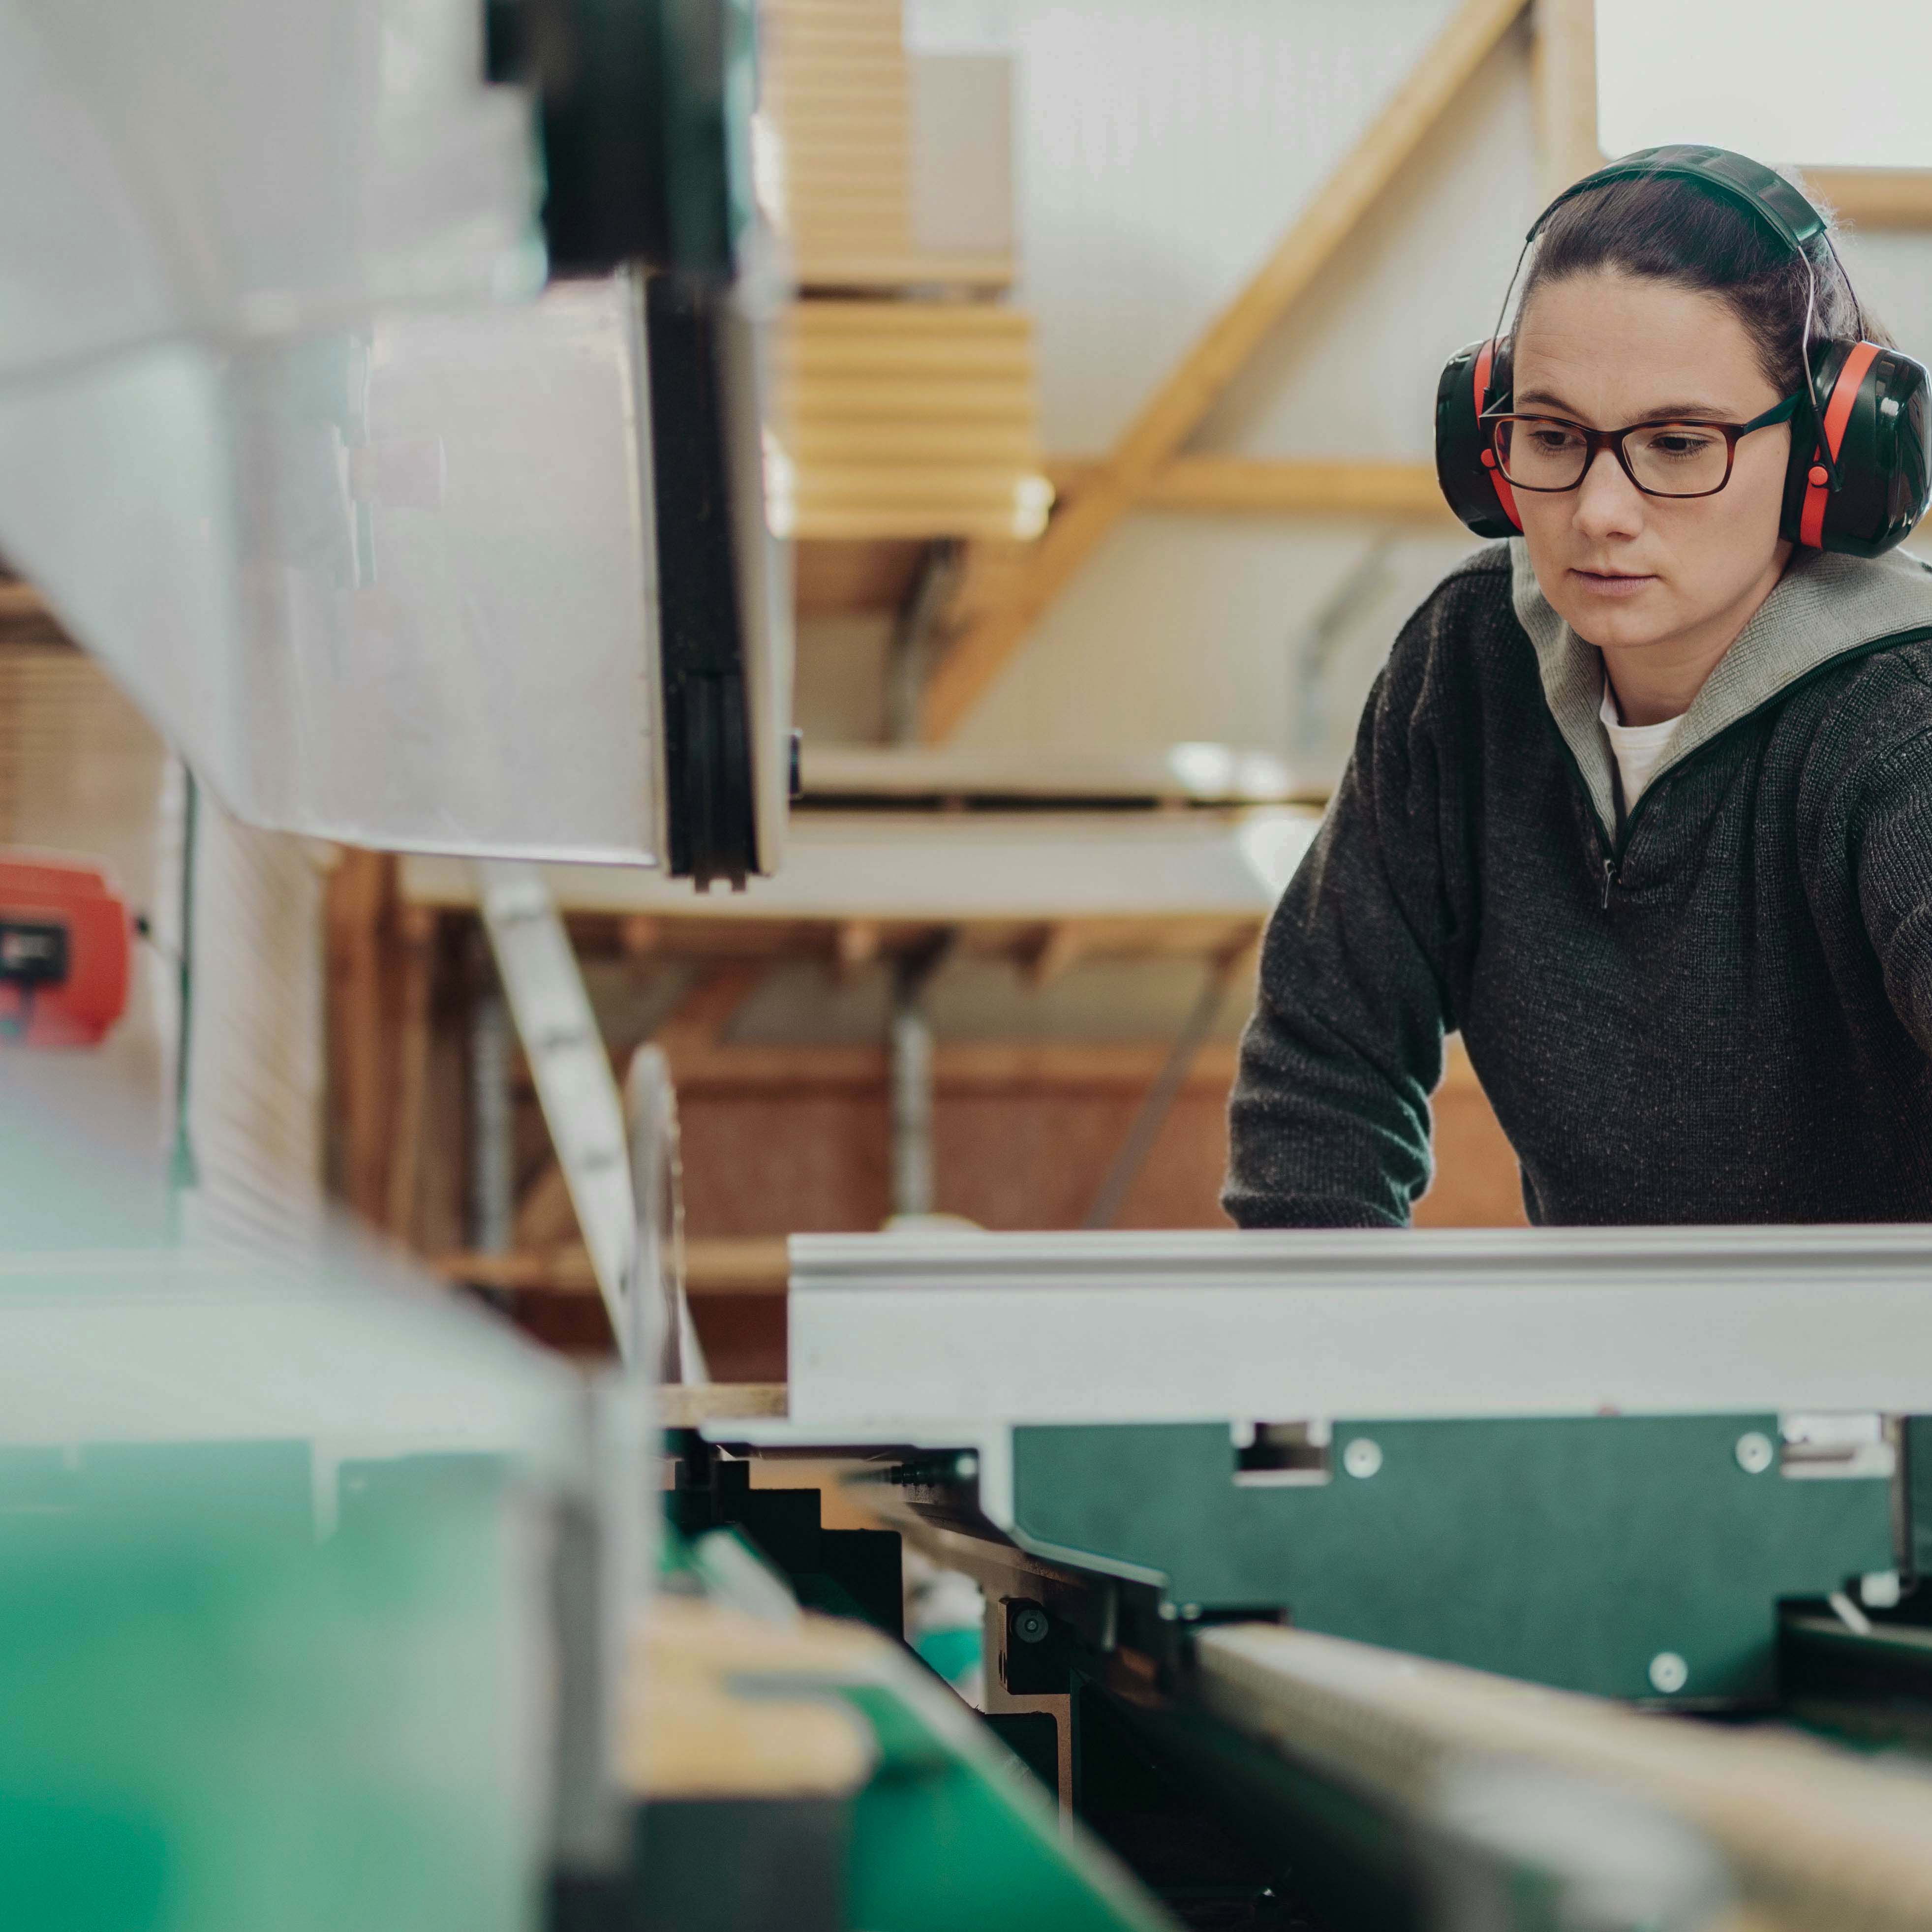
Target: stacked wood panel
(912,419)
(838,90)
(907,399)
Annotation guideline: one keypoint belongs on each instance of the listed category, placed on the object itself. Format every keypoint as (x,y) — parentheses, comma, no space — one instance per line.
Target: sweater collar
(1823,606)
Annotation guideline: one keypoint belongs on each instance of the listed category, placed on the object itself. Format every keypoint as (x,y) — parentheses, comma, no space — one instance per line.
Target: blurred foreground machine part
(66,943)
(325,1602)
(394,553)
(1690,1470)
(803,1772)
(313,1583)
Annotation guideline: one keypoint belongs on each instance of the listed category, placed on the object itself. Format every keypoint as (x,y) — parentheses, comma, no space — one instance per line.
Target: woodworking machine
(1281,1535)
(394,544)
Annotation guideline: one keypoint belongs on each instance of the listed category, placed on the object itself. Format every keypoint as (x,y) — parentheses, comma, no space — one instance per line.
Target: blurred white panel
(945,866)
(1776,79)
(235,168)
(392,585)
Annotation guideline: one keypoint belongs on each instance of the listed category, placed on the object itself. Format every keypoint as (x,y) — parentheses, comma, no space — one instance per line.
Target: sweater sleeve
(1329,1121)
(1890,828)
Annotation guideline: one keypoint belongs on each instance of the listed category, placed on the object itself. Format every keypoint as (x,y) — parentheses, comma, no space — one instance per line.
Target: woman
(1641,801)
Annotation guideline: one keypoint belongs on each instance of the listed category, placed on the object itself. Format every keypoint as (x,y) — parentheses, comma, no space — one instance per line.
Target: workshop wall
(1162,150)
(82,772)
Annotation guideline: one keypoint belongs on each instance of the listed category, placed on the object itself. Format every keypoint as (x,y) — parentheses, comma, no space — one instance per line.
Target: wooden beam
(976,1067)
(699,1020)
(1297,486)
(1563,70)
(959,1067)
(757,1264)
(730,1266)
(358,921)
(1177,407)
(1876,197)
(686,1405)
(417,926)
(564,1270)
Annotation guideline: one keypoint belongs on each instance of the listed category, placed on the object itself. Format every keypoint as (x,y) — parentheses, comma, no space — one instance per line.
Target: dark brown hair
(1674,231)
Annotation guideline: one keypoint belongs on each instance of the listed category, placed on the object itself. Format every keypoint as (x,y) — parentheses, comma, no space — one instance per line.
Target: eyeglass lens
(1668,459)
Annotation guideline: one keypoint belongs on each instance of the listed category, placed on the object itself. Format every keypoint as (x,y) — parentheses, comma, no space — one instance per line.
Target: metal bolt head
(1029,1623)
(1754,1452)
(1363,1457)
(1669,1673)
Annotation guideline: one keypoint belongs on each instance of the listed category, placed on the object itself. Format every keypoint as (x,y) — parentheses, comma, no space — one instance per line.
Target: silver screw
(1754,1452)
(1668,1672)
(1363,1457)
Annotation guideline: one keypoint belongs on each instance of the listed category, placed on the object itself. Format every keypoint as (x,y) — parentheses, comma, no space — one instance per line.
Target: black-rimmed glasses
(1662,459)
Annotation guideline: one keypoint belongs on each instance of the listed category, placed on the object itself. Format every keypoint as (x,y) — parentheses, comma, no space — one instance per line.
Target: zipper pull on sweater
(1610,880)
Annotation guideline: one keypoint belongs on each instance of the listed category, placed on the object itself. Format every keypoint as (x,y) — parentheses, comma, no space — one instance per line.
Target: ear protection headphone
(1860,476)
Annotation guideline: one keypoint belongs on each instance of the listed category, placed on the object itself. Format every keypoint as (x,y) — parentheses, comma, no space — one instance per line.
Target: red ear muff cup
(1479,496)
(1479,391)
(1874,404)
(1838,407)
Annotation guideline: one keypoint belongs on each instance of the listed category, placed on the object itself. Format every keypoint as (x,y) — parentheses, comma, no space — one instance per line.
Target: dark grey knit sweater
(1718,1008)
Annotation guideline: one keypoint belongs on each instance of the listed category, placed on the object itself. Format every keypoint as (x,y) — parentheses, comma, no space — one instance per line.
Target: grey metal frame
(915,1332)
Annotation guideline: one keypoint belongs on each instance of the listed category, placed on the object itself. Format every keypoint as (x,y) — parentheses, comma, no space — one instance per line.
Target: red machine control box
(66,951)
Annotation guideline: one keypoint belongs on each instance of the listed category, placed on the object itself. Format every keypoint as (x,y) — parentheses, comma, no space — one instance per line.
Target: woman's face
(1630,572)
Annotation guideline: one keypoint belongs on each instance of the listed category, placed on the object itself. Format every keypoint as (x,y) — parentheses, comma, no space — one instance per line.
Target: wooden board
(686,1405)
(692,1726)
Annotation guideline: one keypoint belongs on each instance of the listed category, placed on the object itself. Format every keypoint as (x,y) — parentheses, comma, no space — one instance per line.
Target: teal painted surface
(61,1191)
(949,1839)
(1569,1552)
(1918,1490)
(214,1723)
(953,1654)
